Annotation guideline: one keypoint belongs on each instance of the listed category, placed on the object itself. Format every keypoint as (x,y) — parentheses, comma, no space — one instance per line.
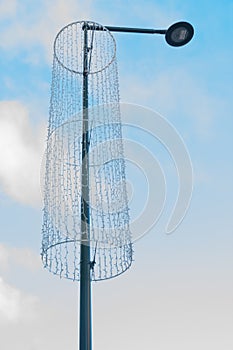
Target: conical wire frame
(109,232)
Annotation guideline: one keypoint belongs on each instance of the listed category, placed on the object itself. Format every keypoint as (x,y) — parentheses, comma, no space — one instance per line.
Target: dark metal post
(127,29)
(85,342)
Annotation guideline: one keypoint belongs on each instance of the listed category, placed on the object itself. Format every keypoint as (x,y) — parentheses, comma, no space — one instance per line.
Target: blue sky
(178,293)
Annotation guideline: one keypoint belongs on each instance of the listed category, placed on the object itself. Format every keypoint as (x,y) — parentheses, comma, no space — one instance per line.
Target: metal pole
(85,341)
(136,30)
(127,29)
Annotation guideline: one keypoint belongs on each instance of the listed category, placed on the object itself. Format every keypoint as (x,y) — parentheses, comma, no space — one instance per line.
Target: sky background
(178,293)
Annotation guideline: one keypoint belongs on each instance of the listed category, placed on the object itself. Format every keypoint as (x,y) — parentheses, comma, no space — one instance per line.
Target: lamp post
(176,35)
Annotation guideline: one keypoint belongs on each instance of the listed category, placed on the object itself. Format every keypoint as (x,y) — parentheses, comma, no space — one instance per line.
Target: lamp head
(179,34)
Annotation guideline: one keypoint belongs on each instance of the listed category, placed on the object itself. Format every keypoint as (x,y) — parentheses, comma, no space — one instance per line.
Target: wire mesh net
(97,177)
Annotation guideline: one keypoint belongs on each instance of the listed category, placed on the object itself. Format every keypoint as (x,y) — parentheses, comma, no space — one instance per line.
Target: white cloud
(36,320)
(38,25)
(13,304)
(7,9)
(23,257)
(21,149)
(34,323)
(177,93)
(4,257)
(155,15)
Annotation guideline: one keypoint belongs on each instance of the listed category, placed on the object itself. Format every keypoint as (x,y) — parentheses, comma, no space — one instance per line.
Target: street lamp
(178,34)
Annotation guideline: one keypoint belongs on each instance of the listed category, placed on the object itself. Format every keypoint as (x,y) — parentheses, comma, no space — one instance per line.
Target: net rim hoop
(96,278)
(83,22)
